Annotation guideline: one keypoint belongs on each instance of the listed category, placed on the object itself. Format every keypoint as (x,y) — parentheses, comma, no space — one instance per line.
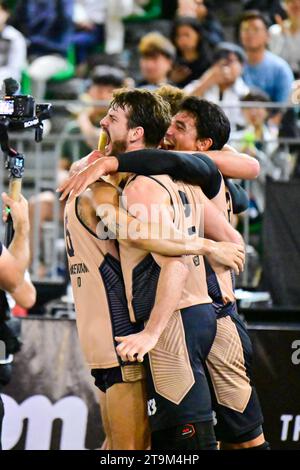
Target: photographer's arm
(25,294)
(14,260)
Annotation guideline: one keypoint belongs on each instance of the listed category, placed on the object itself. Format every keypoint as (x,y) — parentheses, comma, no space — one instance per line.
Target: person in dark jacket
(47,26)
(193,51)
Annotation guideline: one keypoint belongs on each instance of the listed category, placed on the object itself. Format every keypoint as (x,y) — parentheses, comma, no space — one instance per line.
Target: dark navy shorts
(199,329)
(235,402)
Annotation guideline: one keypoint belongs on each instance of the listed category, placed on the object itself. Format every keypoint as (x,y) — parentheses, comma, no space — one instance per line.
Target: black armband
(1,248)
(240,200)
(195,169)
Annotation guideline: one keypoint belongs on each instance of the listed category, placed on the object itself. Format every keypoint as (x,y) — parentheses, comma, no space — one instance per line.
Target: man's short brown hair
(145,109)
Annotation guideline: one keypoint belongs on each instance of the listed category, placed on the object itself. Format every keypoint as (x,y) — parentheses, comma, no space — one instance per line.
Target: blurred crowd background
(243,55)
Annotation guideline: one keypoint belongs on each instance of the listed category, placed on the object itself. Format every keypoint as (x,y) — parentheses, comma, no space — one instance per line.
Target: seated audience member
(260,139)
(193,52)
(222,82)
(13,49)
(99,25)
(263,69)
(270,7)
(80,137)
(114,27)
(47,26)
(89,21)
(156,59)
(203,11)
(285,36)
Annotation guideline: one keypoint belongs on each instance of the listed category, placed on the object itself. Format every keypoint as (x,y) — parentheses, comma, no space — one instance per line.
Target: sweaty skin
(226,251)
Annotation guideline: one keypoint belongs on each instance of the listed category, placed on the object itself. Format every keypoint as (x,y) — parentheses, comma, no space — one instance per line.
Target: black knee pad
(196,436)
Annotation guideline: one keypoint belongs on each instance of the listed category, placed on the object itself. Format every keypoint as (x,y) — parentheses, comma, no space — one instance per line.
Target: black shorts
(235,401)
(199,329)
(127,373)
(106,378)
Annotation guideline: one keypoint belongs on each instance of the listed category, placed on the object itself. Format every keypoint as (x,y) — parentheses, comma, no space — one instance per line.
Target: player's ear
(135,134)
(204,144)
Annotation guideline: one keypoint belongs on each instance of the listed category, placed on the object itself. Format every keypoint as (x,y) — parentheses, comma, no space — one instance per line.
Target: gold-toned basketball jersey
(98,288)
(141,270)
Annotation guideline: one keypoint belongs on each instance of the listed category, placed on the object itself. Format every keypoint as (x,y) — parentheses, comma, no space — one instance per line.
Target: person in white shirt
(285,35)
(223,83)
(13,49)
(260,140)
(89,19)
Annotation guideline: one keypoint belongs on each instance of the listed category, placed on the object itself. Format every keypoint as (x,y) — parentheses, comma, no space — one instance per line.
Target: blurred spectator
(157,55)
(99,25)
(270,7)
(212,27)
(47,25)
(186,8)
(13,49)
(285,36)
(89,19)
(203,11)
(263,69)
(114,34)
(260,139)
(193,51)
(222,83)
(79,138)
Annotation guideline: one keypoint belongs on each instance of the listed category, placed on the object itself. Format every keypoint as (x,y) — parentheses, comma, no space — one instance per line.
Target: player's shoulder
(146,188)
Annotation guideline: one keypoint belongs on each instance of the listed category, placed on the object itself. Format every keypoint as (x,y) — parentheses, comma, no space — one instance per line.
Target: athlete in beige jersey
(189,397)
(235,402)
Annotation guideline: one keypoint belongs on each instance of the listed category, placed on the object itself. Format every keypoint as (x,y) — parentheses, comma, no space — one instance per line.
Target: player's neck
(135,146)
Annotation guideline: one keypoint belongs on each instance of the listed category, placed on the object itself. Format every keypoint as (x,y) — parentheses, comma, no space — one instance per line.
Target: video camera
(20,112)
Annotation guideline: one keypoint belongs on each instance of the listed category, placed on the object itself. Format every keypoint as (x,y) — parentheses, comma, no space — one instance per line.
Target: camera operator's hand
(15,260)
(18,211)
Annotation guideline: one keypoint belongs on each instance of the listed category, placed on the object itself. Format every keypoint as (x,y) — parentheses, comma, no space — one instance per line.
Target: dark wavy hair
(211,121)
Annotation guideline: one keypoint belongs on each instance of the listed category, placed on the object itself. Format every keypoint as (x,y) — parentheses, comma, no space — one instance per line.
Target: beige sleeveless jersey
(141,269)
(95,271)
(220,283)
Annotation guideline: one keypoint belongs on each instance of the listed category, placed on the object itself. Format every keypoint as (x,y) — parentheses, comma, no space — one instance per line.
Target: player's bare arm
(169,289)
(172,277)
(216,226)
(148,235)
